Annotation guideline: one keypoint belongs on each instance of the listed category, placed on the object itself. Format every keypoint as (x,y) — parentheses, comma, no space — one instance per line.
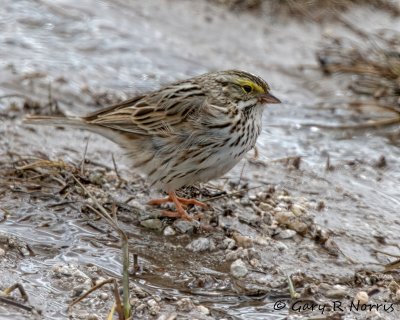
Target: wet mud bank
(306,226)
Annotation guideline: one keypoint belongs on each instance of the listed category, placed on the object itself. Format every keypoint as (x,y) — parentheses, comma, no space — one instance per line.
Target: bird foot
(182,201)
(175,214)
(180,204)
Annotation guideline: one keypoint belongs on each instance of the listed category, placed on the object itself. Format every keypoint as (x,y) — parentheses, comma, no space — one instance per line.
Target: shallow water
(134,46)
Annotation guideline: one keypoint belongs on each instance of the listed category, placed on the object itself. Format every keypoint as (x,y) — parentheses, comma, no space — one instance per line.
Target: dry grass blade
(116,305)
(84,157)
(97,286)
(292,290)
(45,163)
(124,247)
(24,295)
(392,265)
(111,314)
(15,304)
(117,171)
(20,288)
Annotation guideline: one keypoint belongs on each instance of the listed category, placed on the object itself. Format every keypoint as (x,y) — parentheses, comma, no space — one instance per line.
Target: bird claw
(183,201)
(175,214)
(180,204)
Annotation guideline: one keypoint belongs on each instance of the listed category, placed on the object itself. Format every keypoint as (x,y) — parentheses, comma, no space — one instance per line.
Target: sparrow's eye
(247,88)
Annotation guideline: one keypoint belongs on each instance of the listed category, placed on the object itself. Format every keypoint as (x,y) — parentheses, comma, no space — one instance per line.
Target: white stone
(169,231)
(201,244)
(203,310)
(238,268)
(286,234)
(361,297)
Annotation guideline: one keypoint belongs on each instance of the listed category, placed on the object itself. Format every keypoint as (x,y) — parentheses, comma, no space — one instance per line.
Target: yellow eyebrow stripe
(252,84)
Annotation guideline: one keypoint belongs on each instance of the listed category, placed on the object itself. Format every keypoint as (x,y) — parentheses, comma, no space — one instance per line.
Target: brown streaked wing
(147,115)
(104,111)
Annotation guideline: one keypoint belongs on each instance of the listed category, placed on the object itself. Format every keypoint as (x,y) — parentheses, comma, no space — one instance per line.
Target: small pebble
(397,296)
(169,231)
(139,292)
(154,311)
(281,246)
(286,234)
(255,263)
(242,241)
(324,286)
(263,241)
(298,210)
(298,226)
(203,310)
(155,224)
(96,178)
(185,304)
(228,244)
(361,297)
(201,244)
(238,268)
(92,268)
(103,296)
(168,316)
(2,252)
(92,316)
(137,205)
(134,301)
(336,293)
(140,307)
(284,217)
(393,286)
(265,207)
(99,280)
(152,303)
(236,254)
(285,198)
(184,226)
(157,298)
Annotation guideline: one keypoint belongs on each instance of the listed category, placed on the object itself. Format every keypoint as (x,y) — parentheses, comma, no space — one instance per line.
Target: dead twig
(16,304)
(98,286)
(19,287)
(10,301)
(292,291)
(120,179)
(124,247)
(84,157)
(392,265)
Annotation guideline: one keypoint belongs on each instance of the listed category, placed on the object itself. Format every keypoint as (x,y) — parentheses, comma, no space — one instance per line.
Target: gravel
(239,269)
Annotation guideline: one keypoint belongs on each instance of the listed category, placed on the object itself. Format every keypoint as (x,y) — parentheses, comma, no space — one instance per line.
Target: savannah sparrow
(190,131)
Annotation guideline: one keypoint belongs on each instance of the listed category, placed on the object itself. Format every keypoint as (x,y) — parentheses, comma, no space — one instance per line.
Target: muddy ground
(319,206)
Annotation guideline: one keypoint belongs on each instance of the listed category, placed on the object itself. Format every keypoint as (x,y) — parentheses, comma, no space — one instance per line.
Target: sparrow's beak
(268,98)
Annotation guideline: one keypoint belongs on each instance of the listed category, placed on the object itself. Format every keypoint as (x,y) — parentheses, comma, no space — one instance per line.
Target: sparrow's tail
(54,121)
(76,122)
